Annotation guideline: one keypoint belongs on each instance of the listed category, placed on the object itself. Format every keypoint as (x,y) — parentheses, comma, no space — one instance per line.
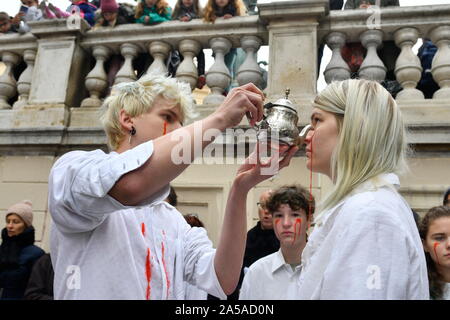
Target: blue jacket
(87,11)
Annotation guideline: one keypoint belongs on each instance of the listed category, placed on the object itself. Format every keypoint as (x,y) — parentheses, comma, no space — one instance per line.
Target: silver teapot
(280,123)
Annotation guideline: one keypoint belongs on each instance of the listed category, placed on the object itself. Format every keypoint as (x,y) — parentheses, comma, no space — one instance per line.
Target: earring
(132,133)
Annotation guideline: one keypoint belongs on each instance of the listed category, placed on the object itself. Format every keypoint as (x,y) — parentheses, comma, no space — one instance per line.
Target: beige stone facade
(59,95)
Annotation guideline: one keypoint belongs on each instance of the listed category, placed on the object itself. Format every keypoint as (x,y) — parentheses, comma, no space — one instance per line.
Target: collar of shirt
(279,262)
(389,180)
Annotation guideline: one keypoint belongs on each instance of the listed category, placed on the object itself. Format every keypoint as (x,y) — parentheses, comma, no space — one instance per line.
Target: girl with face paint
(435,233)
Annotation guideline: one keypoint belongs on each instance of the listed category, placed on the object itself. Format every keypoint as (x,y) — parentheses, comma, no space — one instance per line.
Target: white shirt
(367,247)
(270,278)
(102,249)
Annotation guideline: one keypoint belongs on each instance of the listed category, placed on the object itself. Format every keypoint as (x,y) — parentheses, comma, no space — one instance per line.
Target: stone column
(372,67)
(8,85)
(440,67)
(293,50)
(126,74)
(160,52)
(218,77)
(407,67)
(97,80)
(187,71)
(24,82)
(337,69)
(249,71)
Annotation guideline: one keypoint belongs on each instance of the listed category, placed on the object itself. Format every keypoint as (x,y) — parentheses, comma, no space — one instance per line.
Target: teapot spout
(302,136)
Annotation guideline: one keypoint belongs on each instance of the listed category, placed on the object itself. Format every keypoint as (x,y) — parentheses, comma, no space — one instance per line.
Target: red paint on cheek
(311,177)
(435,253)
(298,221)
(165,128)
(148,274)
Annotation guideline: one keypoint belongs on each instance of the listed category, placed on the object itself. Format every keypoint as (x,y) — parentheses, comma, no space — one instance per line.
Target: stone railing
(404,25)
(64,79)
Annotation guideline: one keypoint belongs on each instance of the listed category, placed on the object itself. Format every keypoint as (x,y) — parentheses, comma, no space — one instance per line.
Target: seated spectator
(17,251)
(435,233)
(6,25)
(40,285)
(86,10)
(29,11)
(186,10)
(274,276)
(151,12)
(426,54)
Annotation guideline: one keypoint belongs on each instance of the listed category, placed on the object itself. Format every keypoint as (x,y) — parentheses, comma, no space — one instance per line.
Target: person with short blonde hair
(113,235)
(365,244)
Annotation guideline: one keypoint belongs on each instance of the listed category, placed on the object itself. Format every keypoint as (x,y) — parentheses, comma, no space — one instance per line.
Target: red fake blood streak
(435,253)
(299,222)
(148,273)
(165,128)
(311,178)
(143,229)
(165,270)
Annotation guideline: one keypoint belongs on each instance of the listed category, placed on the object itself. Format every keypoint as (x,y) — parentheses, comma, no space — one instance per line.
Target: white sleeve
(370,260)
(245,291)
(199,262)
(79,183)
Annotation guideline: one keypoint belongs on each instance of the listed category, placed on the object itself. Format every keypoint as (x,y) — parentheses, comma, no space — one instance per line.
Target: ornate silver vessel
(280,123)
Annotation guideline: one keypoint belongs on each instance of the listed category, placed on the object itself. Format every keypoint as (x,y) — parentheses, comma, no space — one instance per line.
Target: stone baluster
(8,85)
(126,74)
(24,82)
(97,80)
(407,67)
(160,52)
(337,69)
(218,77)
(249,71)
(372,67)
(440,67)
(187,71)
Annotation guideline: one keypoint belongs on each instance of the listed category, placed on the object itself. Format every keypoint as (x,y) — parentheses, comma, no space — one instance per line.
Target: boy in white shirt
(113,236)
(275,276)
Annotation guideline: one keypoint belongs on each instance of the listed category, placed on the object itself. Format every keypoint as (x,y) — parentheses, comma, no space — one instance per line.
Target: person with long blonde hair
(223,9)
(365,243)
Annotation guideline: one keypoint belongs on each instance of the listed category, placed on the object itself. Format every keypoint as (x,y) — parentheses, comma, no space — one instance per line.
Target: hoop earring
(132,133)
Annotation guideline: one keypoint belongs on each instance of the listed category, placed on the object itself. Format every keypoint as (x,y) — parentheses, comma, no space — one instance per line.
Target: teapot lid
(285,102)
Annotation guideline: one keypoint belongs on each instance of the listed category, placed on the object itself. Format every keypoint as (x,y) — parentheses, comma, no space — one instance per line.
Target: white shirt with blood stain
(366,247)
(102,249)
(270,278)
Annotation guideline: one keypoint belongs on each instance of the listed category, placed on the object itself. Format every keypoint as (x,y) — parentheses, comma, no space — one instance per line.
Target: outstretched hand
(254,171)
(241,101)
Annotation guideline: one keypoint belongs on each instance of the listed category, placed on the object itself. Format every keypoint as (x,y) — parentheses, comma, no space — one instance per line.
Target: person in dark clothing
(446,201)
(17,251)
(426,54)
(261,240)
(40,285)
(172,199)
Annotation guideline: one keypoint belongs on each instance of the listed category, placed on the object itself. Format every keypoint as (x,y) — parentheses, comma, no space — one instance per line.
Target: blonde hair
(137,98)
(209,14)
(372,135)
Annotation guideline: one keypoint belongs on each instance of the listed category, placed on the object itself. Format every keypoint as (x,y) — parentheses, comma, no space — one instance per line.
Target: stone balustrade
(404,25)
(64,66)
